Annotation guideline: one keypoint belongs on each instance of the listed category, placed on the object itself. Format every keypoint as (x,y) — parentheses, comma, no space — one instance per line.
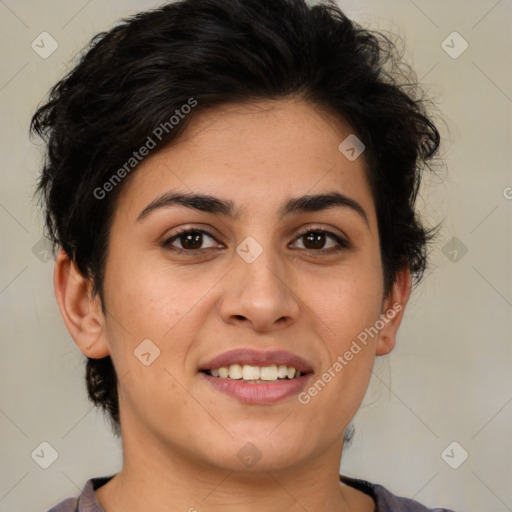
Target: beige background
(448,380)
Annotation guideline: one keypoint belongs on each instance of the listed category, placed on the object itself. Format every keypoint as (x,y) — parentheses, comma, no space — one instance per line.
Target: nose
(259,294)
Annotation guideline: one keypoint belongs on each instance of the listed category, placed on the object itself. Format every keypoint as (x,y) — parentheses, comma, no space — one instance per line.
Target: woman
(231,186)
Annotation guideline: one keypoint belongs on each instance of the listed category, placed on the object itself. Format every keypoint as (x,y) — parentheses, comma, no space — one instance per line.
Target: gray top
(384,500)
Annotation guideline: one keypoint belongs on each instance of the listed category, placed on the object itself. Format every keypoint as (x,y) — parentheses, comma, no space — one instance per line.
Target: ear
(81,312)
(393,308)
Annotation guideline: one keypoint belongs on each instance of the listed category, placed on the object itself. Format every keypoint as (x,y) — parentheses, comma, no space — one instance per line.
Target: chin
(260,452)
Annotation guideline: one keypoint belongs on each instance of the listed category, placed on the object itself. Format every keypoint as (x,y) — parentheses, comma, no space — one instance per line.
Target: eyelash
(343,244)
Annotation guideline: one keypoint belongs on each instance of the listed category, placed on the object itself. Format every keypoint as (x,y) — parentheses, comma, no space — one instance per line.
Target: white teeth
(235,371)
(251,372)
(268,373)
(255,373)
(291,373)
(282,371)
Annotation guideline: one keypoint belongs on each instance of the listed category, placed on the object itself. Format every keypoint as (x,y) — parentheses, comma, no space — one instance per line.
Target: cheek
(350,337)
(345,301)
(148,296)
(156,303)
(345,307)
(156,394)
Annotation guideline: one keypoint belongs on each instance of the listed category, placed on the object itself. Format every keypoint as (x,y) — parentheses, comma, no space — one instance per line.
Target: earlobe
(393,308)
(81,312)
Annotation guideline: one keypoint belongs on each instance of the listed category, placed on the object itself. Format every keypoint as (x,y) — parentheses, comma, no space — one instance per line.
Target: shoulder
(87,501)
(68,505)
(386,501)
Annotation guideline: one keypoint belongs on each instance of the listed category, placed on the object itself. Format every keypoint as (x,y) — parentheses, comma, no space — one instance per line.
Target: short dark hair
(133,78)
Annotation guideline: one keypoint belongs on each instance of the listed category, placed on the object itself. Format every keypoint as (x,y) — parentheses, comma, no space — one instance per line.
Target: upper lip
(258,358)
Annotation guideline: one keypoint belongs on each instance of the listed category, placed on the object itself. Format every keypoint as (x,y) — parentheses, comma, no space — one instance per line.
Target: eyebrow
(217,206)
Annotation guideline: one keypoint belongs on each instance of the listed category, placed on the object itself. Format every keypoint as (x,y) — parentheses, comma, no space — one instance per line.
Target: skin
(180,436)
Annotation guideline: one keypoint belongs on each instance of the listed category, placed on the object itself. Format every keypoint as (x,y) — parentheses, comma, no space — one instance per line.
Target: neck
(160,479)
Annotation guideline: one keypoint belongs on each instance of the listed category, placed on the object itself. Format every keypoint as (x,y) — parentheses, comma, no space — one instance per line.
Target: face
(260,278)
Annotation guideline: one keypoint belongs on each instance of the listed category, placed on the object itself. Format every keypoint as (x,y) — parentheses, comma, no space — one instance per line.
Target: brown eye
(316,240)
(189,240)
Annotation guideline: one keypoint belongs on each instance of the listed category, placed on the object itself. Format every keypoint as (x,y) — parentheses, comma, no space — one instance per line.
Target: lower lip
(264,393)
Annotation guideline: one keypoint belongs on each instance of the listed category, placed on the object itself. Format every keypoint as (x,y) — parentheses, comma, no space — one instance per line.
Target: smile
(255,374)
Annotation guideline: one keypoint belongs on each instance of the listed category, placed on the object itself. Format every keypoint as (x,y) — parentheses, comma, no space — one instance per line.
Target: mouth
(255,377)
(255,374)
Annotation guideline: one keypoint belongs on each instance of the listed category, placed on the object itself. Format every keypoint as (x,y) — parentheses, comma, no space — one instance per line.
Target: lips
(258,391)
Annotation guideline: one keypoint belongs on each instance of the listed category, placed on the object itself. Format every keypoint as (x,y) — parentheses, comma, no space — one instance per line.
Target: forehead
(255,155)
